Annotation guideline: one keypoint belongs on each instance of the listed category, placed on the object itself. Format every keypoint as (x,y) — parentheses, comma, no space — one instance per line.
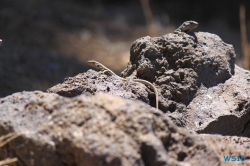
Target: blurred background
(45,41)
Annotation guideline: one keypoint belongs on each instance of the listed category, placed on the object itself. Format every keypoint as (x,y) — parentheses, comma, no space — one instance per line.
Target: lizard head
(94,64)
(188,26)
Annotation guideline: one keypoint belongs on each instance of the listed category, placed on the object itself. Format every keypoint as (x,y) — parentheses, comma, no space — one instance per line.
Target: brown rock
(200,87)
(179,64)
(100,130)
(222,109)
(93,82)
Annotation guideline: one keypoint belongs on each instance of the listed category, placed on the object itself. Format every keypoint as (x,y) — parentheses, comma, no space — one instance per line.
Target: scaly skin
(187,26)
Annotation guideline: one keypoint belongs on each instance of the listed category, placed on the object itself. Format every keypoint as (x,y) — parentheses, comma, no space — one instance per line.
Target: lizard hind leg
(103,71)
(126,82)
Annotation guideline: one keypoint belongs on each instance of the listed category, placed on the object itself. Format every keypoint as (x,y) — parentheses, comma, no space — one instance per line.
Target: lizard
(104,69)
(187,26)
(184,28)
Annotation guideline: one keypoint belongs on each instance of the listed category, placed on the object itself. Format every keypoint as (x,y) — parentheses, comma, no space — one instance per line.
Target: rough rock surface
(222,109)
(102,130)
(179,64)
(93,82)
(199,86)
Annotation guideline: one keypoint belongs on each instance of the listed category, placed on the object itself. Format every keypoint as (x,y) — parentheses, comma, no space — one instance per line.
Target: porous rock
(222,109)
(199,85)
(179,64)
(100,130)
(93,82)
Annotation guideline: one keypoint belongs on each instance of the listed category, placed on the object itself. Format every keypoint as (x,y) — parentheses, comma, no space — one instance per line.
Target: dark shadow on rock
(228,126)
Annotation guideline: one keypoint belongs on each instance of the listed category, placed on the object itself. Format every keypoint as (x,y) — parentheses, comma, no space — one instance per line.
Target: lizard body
(104,69)
(187,26)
